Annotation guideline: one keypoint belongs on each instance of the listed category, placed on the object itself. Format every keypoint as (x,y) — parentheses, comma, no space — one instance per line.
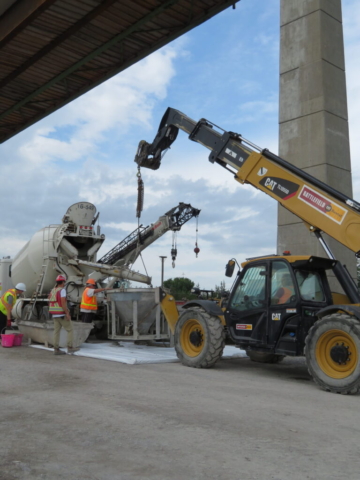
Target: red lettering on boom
(157,225)
(315,200)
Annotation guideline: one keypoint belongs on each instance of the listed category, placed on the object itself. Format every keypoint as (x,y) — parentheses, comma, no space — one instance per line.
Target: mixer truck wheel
(332,351)
(44,314)
(263,357)
(199,338)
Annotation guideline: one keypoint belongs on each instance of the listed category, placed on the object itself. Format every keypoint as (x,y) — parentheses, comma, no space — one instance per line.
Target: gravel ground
(77,418)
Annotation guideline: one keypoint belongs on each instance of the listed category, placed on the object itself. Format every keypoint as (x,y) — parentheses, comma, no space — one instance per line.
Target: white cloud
(125,226)
(11,243)
(119,104)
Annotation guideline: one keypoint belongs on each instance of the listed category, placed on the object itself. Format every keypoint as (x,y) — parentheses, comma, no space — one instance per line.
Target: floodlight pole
(162,270)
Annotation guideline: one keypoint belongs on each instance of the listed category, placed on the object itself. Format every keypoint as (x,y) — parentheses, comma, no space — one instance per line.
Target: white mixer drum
(27,264)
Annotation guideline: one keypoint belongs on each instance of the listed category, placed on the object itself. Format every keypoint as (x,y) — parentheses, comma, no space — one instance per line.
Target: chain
(140,198)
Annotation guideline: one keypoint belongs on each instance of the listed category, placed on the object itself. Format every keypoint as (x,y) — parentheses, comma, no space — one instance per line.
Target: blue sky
(226,70)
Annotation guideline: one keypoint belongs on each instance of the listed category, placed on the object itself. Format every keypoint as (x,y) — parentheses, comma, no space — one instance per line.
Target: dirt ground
(77,418)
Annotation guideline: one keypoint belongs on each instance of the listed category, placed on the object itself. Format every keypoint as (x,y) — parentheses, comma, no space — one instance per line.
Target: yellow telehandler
(279,304)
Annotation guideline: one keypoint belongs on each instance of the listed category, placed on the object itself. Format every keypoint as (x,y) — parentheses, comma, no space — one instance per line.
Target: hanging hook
(173,250)
(196,249)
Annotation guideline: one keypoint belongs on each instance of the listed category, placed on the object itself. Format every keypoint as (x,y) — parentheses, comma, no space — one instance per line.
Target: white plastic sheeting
(131,354)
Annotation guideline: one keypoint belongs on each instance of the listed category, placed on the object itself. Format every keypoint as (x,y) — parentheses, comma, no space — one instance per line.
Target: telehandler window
(310,286)
(282,285)
(250,292)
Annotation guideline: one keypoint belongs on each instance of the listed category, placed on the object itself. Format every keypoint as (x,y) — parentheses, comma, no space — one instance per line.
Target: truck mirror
(229,269)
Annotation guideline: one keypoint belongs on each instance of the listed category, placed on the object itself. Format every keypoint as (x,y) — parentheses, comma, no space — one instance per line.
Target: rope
(197,230)
(144,266)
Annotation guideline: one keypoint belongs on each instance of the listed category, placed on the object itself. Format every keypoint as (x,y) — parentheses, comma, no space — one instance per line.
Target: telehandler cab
(279,305)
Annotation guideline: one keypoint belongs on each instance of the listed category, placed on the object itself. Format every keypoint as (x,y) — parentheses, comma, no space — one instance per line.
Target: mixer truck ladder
(38,290)
(39,286)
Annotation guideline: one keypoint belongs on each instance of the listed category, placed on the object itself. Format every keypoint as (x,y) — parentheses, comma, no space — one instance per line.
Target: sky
(226,70)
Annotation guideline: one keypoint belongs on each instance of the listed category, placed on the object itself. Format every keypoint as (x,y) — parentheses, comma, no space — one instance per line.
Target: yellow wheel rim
(192,338)
(336,354)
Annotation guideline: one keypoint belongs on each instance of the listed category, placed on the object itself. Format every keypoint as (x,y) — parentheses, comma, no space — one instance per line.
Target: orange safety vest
(11,292)
(55,307)
(286,295)
(88,303)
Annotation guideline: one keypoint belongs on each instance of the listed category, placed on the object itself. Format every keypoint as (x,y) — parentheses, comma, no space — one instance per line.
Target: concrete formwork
(313,111)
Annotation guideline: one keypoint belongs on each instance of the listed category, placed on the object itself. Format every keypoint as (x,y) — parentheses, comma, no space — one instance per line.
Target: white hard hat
(21,286)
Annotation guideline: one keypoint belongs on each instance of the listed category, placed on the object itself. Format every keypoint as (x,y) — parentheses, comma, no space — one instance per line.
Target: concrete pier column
(313,112)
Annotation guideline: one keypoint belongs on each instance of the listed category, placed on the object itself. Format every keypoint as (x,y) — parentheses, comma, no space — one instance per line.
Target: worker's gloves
(8,323)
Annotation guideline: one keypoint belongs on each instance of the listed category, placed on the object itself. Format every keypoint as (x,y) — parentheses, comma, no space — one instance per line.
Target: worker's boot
(72,349)
(57,351)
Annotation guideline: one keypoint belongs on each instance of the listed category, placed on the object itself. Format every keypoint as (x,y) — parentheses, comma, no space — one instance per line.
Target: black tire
(263,357)
(44,314)
(332,351)
(199,338)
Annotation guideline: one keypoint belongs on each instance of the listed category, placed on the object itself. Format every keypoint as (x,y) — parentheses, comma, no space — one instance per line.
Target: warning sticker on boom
(322,204)
(234,155)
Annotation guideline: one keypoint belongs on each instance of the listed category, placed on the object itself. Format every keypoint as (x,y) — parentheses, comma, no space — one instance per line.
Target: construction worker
(61,316)
(88,306)
(286,291)
(7,302)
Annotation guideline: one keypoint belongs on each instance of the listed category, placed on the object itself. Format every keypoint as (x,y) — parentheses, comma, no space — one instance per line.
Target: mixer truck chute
(278,305)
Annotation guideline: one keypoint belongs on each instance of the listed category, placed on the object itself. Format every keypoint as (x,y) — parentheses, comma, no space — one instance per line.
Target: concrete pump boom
(128,250)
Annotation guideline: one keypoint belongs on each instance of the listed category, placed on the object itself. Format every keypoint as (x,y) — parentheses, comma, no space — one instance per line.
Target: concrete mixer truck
(70,248)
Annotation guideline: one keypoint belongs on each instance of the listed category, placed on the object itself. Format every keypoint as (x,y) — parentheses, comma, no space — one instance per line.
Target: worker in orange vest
(88,306)
(7,303)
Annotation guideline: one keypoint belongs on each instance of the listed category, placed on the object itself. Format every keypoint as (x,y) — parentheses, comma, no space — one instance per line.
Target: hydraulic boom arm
(322,208)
